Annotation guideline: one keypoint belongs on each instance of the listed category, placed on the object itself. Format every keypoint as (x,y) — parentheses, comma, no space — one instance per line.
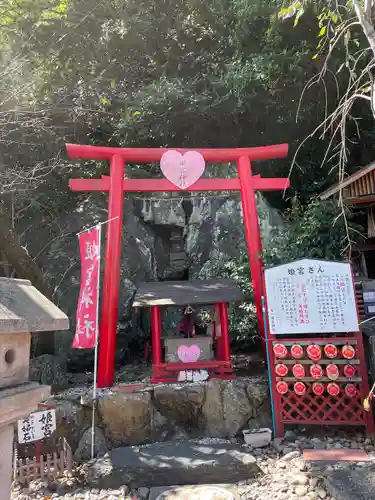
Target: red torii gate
(115,184)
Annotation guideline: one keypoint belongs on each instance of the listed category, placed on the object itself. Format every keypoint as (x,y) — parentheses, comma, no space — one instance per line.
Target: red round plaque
(318,388)
(299,388)
(350,390)
(299,371)
(333,389)
(332,371)
(348,351)
(281,370)
(316,371)
(349,371)
(330,351)
(296,351)
(282,387)
(280,351)
(314,352)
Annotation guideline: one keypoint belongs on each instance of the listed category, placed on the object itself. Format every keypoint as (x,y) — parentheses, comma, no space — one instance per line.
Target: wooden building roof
(181,293)
(24,309)
(357,188)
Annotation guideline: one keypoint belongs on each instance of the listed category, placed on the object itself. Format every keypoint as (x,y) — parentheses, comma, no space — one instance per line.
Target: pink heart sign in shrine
(183,170)
(188,354)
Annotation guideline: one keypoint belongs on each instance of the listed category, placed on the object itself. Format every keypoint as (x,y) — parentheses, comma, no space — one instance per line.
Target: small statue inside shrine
(187,325)
(193,323)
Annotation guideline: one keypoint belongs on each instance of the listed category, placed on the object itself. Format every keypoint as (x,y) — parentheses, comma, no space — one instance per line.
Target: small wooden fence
(49,466)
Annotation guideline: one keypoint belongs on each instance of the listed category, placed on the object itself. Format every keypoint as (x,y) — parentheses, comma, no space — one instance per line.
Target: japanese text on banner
(88,301)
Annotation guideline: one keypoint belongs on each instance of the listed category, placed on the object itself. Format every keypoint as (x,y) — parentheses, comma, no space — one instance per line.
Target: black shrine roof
(181,293)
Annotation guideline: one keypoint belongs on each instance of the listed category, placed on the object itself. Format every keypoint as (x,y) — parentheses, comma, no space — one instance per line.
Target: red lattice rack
(326,409)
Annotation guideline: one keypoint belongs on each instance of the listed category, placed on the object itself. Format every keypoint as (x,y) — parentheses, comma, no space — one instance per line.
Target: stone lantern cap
(24,309)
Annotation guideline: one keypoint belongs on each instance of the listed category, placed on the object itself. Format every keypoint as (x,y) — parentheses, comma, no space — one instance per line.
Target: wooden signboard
(311,296)
(36,426)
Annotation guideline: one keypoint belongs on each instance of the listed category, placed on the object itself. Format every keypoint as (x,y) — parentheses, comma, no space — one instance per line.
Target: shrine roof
(356,186)
(180,293)
(24,309)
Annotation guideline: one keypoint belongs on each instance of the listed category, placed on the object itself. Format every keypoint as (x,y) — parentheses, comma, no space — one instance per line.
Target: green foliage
(316,231)
(332,20)
(156,73)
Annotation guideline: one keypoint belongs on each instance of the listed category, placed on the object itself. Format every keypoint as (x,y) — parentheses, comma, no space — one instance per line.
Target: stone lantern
(23,310)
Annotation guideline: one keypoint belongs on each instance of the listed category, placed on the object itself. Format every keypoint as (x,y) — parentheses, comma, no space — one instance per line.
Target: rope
(189,310)
(183,198)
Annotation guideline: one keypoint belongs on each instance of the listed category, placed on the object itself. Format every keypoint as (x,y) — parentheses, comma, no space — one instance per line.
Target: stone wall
(215,408)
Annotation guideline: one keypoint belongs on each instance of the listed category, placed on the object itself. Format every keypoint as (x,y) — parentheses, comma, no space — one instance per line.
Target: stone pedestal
(23,310)
(6,448)
(15,403)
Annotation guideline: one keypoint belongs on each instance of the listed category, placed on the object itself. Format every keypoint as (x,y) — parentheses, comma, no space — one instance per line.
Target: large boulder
(258,394)
(126,417)
(48,370)
(180,403)
(83,451)
(215,232)
(229,407)
(72,418)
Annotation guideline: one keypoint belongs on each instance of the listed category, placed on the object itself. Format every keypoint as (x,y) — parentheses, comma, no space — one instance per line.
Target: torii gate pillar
(116,184)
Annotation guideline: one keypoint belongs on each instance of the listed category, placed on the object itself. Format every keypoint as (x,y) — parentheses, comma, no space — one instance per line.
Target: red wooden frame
(312,409)
(219,368)
(116,184)
(326,409)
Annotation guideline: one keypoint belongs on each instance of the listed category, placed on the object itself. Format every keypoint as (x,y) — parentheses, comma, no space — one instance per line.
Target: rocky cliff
(163,239)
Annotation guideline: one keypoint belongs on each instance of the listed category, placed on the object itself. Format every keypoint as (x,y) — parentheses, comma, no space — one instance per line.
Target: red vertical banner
(88,302)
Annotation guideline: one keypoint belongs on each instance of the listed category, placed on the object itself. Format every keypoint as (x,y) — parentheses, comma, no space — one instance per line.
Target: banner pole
(94,395)
(268,365)
(100,225)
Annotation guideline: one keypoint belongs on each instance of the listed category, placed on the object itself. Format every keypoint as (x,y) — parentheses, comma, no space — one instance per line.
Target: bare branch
(364,17)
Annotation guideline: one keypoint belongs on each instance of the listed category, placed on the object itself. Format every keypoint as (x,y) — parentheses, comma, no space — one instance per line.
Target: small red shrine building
(194,353)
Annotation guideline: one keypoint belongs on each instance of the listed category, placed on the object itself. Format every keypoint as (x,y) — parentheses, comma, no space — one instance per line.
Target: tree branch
(364,17)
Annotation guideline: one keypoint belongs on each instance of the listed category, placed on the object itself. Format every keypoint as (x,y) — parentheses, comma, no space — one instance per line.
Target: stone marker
(352,484)
(206,492)
(168,464)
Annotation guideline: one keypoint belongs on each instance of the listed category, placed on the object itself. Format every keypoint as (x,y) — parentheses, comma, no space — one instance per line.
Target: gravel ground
(285,475)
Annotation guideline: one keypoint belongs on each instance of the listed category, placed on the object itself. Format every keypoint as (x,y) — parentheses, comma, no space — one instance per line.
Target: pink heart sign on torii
(183,170)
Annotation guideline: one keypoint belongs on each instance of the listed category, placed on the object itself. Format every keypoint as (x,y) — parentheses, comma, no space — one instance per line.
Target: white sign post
(37,426)
(311,296)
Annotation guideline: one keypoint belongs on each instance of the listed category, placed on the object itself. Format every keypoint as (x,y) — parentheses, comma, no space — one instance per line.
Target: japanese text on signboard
(37,426)
(88,302)
(310,296)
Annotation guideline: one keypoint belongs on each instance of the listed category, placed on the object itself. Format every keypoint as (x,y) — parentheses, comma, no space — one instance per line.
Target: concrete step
(202,491)
(172,463)
(352,484)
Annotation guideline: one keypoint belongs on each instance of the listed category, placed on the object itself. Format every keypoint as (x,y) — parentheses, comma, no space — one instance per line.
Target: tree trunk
(364,17)
(26,268)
